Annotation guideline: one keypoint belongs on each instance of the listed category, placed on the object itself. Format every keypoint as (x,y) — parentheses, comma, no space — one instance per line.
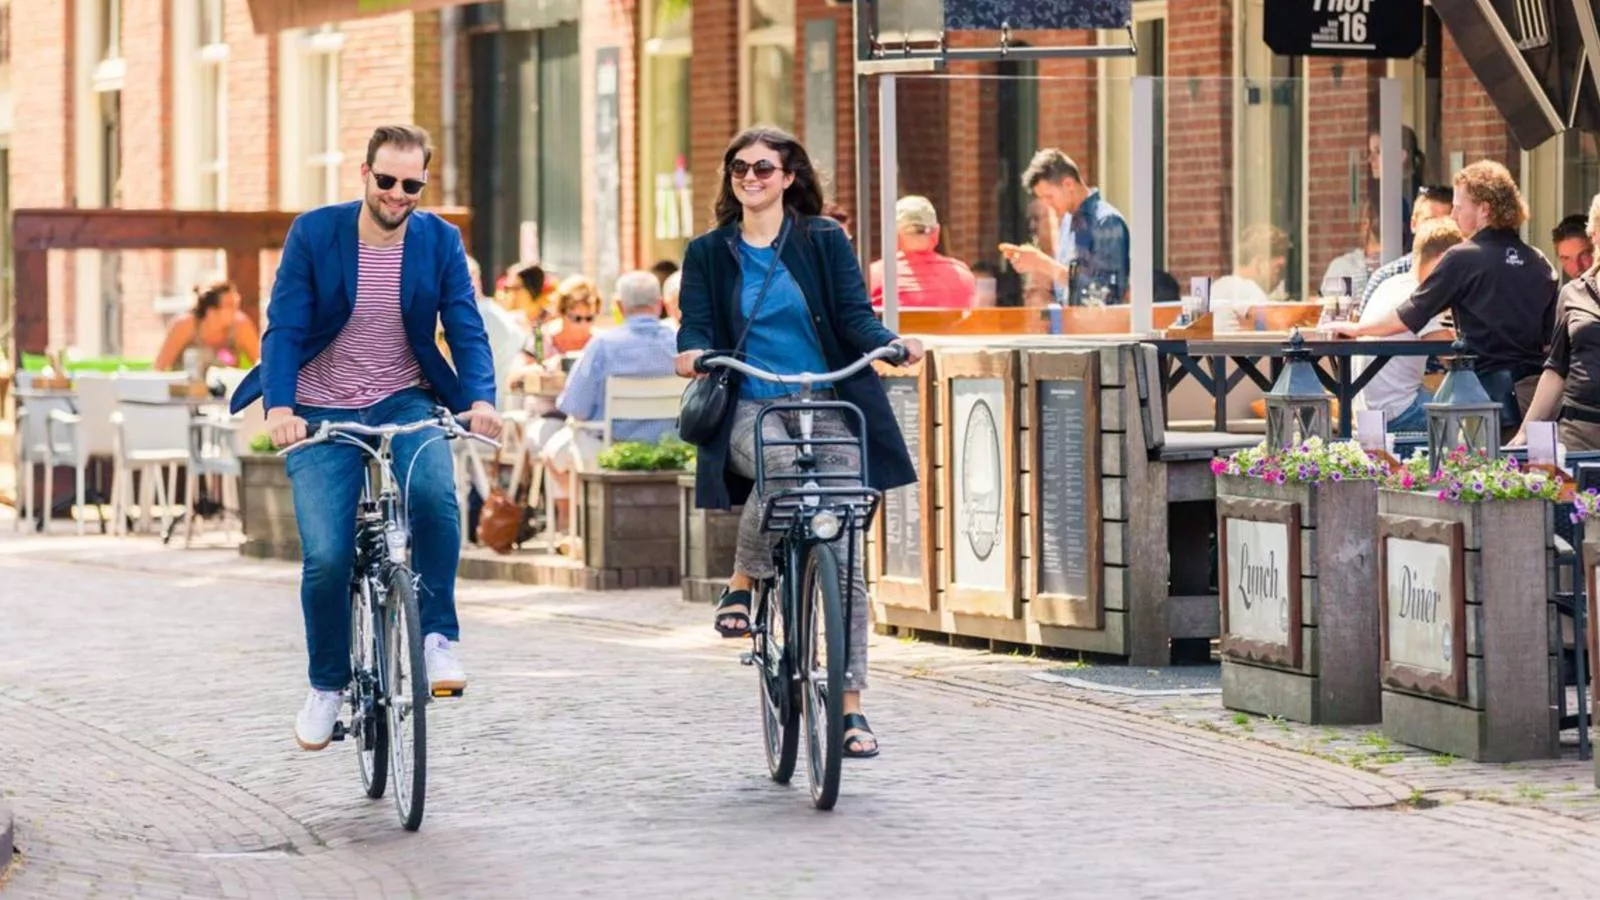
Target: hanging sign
(1364,29)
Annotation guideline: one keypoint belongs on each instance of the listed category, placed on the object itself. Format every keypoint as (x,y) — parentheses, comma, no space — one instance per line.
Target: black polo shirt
(1503,295)
(1575,345)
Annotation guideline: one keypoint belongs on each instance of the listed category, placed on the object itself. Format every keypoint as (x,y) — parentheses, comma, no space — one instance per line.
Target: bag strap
(755,310)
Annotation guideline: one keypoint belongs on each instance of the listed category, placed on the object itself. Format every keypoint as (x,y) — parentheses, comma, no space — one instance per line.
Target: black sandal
(735,623)
(855,745)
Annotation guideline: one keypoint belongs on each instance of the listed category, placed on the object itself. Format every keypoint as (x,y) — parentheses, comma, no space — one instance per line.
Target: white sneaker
(313,728)
(445,675)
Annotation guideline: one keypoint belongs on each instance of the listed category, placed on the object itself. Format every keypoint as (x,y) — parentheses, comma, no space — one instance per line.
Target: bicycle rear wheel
(822,664)
(780,708)
(407,689)
(367,724)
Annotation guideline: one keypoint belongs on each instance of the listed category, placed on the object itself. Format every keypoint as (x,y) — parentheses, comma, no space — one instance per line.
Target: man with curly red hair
(1501,291)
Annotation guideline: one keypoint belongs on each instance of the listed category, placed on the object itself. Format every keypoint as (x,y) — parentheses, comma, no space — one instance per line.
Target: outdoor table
(1207,360)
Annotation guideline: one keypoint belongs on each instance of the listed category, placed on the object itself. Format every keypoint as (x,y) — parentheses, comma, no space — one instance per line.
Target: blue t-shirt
(783,339)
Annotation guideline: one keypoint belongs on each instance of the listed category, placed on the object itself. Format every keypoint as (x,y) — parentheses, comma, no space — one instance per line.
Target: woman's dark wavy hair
(803,196)
(209,296)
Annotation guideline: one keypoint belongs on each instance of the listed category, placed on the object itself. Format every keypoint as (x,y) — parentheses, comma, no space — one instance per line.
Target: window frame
(651,49)
(750,40)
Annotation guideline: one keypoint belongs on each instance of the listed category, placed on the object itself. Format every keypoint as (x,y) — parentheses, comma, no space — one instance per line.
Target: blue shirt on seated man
(643,346)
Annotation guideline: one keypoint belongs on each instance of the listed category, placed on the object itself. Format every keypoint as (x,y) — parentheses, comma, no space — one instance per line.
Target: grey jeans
(753,556)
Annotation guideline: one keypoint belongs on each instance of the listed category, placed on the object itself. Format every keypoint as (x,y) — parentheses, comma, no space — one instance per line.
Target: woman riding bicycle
(812,315)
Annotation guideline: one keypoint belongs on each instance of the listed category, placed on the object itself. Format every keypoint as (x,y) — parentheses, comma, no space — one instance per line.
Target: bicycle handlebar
(326,431)
(891,353)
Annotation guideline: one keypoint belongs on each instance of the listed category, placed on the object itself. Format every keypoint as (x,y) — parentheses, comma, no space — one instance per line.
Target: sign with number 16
(1366,29)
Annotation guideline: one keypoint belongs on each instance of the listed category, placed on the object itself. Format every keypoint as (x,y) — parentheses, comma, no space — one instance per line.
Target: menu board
(979,545)
(1422,602)
(1063,472)
(902,507)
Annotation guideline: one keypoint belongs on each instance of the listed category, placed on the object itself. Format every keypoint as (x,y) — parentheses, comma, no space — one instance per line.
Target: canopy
(1537,60)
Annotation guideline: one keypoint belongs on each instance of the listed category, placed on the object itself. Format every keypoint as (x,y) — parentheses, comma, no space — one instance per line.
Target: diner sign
(1260,580)
(1364,29)
(1423,605)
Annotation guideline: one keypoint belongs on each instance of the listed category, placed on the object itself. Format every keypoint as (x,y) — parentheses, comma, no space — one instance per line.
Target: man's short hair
(637,290)
(1262,241)
(1437,193)
(1434,238)
(1573,227)
(403,137)
(1051,165)
(1487,181)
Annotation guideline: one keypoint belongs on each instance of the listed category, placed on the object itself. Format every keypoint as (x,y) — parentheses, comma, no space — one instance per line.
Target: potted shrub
(266,504)
(1297,577)
(628,517)
(1466,564)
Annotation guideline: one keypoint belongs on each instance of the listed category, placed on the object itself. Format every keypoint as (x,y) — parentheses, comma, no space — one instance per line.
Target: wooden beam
(242,235)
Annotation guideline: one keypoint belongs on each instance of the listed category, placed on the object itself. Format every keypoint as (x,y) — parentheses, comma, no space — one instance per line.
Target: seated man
(1397,388)
(924,277)
(642,347)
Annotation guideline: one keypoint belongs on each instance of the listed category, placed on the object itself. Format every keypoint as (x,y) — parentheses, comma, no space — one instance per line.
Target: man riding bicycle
(360,292)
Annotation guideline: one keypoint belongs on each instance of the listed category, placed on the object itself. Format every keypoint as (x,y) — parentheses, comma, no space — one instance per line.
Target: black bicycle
(389,691)
(800,620)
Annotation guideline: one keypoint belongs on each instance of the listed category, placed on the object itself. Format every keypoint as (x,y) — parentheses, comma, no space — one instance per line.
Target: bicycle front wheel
(780,709)
(368,724)
(407,690)
(822,665)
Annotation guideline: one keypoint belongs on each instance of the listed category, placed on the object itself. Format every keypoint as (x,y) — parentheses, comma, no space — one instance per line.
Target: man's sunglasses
(410,185)
(762,167)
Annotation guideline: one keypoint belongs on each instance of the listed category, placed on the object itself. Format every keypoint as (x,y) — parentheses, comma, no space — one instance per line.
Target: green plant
(1443,759)
(1312,462)
(637,456)
(1241,719)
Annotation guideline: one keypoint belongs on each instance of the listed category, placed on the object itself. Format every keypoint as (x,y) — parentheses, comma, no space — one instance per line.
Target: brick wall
(1471,125)
(147,169)
(377,79)
(1343,112)
(41,137)
(713,98)
(1199,116)
(252,133)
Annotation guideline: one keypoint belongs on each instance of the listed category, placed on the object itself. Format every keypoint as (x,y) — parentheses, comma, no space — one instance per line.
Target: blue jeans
(1415,418)
(327,481)
(1501,386)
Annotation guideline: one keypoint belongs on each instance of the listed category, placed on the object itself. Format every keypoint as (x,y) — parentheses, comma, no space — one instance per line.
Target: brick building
(589,132)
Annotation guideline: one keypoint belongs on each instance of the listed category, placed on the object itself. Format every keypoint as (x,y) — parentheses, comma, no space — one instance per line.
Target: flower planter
(1469,664)
(266,505)
(1298,584)
(628,526)
(706,540)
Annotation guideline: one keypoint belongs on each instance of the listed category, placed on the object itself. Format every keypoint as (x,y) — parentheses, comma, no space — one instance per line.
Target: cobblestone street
(608,748)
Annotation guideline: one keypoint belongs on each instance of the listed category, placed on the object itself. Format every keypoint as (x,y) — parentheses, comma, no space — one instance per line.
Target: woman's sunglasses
(762,167)
(572,318)
(410,185)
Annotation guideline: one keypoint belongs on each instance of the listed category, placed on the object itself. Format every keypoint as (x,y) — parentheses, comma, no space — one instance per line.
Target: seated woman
(217,327)
(1569,389)
(577,302)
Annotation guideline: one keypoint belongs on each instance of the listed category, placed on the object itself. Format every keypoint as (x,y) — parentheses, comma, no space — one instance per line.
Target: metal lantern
(1297,407)
(1462,414)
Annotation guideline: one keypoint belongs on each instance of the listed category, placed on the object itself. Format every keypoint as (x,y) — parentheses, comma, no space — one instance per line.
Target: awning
(1537,59)
(272,16)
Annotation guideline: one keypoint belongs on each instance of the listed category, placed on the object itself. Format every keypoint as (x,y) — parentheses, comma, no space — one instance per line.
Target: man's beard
(380,215)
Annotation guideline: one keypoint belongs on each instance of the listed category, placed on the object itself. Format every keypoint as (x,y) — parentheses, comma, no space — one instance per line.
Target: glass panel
(667,191)
(670,19)
(209,125)
(772,85)
(210,17)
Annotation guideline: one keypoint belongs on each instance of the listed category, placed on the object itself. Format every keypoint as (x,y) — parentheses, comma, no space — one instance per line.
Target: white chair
(152,439)
(40,445)
(628,399)
(212,441)
(87,433)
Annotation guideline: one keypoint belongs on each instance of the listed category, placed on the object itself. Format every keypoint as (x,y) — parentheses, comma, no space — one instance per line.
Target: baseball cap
(914,210)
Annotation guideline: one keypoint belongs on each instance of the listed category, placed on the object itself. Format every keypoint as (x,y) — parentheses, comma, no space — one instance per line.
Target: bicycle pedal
(338,731)
(449,692)
(747,658)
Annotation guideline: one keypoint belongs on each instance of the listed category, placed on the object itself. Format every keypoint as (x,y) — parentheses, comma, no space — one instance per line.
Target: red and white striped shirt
(371,358)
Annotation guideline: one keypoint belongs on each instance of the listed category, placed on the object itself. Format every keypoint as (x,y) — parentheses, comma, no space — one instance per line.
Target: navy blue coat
(314,295)
(819,257)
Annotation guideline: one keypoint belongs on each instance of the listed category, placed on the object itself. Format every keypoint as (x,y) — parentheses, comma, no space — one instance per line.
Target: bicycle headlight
(825,525)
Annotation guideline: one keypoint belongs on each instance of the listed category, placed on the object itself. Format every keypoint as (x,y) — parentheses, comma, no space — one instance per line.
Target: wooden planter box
(1297,575)
(706,540)
(629,528)
(266,504)
(1469,652)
